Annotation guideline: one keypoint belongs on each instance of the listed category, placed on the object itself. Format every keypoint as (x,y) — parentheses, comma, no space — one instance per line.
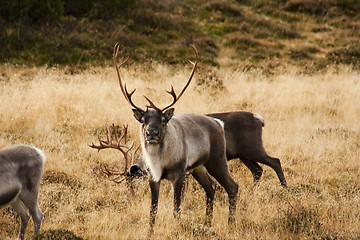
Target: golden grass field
(311,124)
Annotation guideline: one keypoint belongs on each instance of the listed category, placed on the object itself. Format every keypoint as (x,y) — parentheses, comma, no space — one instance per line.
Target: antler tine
(109,143)
(172,91)
(115,135)
(113,175)
(109,136)
(123,89)
(152,105)
(173,94)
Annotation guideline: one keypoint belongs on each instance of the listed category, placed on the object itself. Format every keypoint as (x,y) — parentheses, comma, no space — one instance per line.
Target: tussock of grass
(311,124)
(58,234)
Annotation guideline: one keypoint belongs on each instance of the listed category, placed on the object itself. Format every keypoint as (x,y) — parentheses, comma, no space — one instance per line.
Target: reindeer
(243,132)
(173,145)
(21,169)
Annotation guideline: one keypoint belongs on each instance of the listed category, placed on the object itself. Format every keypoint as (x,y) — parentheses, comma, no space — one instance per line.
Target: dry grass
(312,125)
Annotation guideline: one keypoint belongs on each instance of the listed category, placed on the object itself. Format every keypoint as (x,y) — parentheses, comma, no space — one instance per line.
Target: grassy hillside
(244,34)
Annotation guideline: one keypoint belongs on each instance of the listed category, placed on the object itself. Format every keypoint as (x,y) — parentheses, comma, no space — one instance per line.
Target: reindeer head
(153,123)
(154,119)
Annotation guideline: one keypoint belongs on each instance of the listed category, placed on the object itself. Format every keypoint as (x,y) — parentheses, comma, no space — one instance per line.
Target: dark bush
(78,8)
(31,11)
(34,11)
(345,55)
(108,9)
(58,234)
(317,7)
(302,221)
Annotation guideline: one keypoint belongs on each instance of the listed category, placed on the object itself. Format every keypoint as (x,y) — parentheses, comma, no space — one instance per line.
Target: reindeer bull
(173,145)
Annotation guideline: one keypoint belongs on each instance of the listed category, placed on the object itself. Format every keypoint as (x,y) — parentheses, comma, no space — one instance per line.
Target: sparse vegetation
(311,125)
(294,62)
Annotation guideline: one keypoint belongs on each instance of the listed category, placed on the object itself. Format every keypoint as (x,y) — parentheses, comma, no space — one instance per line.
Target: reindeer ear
(168,114)
(138,115)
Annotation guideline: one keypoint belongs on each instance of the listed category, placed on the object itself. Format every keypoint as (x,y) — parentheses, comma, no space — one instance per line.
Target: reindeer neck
(166,153)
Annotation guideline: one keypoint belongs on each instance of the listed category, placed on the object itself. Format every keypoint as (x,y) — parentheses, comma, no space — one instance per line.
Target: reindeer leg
(275,164)
(220,171)
(255,169)
(35,213)
(203,178)
(30,199)
(37,217)
(177,186)
(23,212)
(155,188)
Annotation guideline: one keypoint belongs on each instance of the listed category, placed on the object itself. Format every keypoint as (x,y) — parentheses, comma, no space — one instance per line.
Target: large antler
(115,143)
(128,95)
(172,91)
(125,92)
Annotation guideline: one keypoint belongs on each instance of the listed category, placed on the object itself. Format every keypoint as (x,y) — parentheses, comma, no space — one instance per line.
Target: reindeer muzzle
(152,136)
